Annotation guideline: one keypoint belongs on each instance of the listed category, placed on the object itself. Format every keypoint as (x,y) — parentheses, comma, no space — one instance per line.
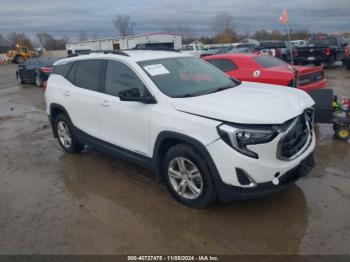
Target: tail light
(346,51)
(46,69)
(328,51)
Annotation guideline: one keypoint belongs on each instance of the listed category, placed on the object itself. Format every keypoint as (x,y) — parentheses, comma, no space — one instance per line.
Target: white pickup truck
(195,49)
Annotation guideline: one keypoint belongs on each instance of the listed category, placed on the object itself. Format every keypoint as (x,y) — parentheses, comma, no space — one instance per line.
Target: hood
(248,103)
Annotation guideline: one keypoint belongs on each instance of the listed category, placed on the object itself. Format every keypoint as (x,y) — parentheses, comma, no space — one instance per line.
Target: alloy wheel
(64,134)
(185,178)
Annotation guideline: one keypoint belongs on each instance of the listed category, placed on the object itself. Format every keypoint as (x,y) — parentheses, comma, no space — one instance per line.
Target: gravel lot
(91,203)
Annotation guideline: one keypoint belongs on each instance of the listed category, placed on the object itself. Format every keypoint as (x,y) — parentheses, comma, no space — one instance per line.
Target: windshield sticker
(155,70)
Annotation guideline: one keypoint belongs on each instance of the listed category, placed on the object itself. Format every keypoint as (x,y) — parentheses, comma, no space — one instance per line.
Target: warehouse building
(155,40)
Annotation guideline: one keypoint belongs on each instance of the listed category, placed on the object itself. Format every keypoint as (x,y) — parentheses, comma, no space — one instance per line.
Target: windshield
(267,61)
(186,76)
(323,41)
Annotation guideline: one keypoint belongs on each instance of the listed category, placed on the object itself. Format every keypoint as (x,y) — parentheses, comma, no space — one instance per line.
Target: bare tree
(83,36)
(124,25)
(223,24)
(19,39)
(50,43)
(223,29)
(262,35)
(4,45)
(185,31)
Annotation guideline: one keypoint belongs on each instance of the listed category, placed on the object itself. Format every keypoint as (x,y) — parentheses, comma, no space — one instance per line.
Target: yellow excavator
(19,55)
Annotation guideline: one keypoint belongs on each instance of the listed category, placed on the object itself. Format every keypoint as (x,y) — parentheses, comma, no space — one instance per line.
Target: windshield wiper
(204,93)
(220,89)
(185,95)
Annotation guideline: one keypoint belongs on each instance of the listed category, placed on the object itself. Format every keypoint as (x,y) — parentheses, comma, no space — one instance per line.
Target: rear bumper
(314,86)
(317,59)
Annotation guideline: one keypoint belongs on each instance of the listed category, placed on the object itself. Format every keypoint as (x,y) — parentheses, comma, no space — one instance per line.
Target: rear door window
(88,74)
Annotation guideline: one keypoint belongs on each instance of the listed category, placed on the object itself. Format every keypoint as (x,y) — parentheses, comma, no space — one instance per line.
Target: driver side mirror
(133,94)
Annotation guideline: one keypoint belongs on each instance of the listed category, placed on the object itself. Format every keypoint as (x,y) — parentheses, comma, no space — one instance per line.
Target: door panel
(81,105)
(82,93)
(124,123)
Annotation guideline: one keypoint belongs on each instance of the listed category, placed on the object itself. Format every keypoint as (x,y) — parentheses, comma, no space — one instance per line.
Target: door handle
(104,103)
(66,93)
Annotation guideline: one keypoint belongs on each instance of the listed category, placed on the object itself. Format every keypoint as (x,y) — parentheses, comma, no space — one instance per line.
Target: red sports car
(264,68)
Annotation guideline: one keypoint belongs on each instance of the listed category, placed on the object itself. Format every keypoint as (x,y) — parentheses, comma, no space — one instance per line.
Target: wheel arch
(167,139)
(55,110)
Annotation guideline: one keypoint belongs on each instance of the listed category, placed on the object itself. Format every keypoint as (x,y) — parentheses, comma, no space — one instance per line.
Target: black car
(35,70)
(321,50)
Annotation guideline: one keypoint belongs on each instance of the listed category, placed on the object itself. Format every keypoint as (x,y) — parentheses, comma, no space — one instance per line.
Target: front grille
(298,135)
(310,78)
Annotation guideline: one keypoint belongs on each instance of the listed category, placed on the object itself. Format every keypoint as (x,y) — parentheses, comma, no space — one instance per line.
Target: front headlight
(239,137)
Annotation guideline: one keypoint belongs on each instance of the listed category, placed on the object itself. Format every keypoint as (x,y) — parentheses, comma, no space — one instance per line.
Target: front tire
(66,138)
(187,177)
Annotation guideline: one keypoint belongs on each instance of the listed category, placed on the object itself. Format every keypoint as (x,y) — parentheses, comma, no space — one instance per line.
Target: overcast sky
(69,17)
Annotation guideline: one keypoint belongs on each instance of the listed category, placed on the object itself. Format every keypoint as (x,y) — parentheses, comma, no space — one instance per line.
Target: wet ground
(91,203)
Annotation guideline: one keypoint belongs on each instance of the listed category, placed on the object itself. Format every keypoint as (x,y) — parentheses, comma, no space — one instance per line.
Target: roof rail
(115,52)
(155,49)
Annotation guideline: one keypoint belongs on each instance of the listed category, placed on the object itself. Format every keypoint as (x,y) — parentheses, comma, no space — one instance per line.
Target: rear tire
(63,129)
(188,177)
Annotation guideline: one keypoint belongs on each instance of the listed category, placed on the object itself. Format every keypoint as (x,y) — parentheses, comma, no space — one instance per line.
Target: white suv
(204,134)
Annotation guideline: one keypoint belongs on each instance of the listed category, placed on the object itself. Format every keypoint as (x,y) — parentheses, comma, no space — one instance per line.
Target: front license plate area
(311,58)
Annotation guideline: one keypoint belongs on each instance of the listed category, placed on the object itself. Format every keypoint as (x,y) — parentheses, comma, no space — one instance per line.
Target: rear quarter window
(62,69)
(224,65)
(267,61)
(88,74)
